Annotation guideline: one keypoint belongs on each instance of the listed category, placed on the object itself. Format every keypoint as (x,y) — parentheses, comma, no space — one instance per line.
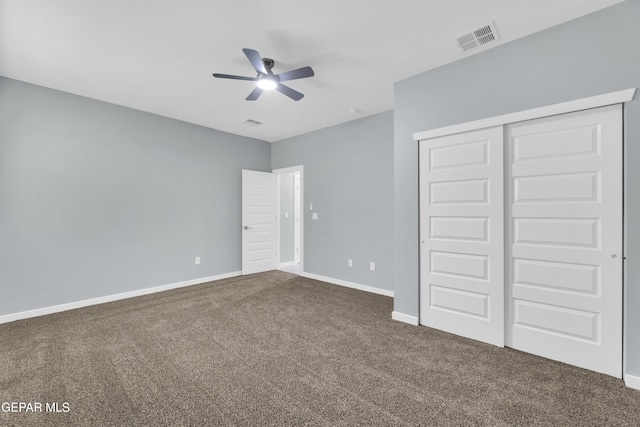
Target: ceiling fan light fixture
(266,80)
(267,83)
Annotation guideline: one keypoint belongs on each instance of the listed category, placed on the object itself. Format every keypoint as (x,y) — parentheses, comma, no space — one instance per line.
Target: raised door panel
(471,229)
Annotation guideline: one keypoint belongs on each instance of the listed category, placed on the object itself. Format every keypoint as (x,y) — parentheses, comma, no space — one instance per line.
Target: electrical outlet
(372,266)
(197,261)
(350,263)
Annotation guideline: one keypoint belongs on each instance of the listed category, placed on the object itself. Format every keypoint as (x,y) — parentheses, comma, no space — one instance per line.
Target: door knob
(246,227)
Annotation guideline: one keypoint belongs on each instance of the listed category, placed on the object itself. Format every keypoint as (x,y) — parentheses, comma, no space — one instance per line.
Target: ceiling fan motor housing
(268,63)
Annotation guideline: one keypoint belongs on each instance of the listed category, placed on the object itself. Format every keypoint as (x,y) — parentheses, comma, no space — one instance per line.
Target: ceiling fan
(266,80)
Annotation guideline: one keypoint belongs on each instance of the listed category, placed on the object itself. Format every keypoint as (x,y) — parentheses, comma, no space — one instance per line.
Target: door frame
(297,213)
(619,97)
(283,171)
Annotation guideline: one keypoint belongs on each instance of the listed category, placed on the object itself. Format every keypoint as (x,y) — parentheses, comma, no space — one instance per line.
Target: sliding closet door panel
(564,259)
(461,233)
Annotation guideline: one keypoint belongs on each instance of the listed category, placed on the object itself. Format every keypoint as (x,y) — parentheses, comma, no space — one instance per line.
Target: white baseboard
(101,300)
(632,381)
(287,264)
(348,284)
(400,317)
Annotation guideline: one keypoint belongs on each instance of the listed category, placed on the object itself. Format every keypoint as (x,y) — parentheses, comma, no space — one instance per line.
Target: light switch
(314,215)
(311,206)
(286,215)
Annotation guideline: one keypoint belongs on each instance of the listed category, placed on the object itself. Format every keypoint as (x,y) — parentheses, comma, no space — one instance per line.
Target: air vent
(478,37)
(251,122)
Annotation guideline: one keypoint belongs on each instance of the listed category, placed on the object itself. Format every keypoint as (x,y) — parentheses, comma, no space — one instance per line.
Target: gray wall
(348,175)
(287,182)
(97,199)
(589,56)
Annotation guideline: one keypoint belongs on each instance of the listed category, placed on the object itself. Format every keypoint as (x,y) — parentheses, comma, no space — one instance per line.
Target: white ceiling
(158,55)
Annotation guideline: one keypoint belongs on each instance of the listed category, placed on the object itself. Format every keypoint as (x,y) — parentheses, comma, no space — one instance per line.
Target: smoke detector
(476,38)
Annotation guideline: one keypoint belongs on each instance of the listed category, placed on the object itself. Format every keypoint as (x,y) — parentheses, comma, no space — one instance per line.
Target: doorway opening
(290,230)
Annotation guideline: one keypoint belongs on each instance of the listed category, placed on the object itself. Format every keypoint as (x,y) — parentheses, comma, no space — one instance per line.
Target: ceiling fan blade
(254,57)
(293,94)
(300,73)
(255,94)
(230,76)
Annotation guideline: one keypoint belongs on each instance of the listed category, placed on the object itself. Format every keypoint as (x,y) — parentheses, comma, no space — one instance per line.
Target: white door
(259,215)
(564,265)
(462,234)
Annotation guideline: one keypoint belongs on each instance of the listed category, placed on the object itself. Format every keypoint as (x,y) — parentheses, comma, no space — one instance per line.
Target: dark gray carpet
(277,349)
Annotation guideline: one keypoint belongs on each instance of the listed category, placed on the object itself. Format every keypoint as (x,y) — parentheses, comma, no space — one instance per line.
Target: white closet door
(564,260)
(461,233)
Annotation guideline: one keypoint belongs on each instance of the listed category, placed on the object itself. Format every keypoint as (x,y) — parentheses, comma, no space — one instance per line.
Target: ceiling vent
(251,122)
(478,37)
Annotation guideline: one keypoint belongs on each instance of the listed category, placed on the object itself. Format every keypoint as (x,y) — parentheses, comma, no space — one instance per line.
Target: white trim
(405,318)
(632,381)
(287,264)
(297,211)
(282,171)
(535,113)
(348,284)
(109,298)
(277,220)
